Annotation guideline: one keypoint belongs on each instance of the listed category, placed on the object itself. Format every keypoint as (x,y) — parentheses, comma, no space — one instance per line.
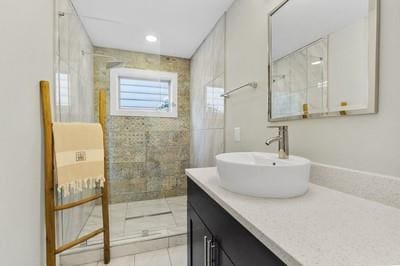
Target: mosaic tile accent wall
(148,155)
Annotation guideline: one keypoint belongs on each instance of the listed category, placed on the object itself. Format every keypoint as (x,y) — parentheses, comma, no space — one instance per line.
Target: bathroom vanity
(216,238)
(322,227)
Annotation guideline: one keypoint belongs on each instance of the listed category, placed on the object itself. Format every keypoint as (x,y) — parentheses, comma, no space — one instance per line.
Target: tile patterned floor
(175,256)
(141,218)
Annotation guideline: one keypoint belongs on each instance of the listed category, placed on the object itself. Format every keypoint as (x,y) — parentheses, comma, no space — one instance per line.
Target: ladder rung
(77,203)
(79,240)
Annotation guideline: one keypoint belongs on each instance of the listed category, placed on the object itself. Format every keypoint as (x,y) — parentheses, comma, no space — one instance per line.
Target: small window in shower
(136,92)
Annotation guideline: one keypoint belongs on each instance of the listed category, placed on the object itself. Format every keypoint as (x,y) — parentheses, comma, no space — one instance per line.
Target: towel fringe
(79,185)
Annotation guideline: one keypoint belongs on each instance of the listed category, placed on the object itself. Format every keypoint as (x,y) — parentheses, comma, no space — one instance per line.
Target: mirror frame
(373,69)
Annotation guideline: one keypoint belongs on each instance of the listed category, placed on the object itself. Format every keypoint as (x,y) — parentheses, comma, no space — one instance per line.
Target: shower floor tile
(165,216)
(146,208)
(149,223)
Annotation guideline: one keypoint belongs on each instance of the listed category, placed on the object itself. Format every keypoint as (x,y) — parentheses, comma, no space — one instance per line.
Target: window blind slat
(144,94)
(143,100)
(141,104)
(145,83)
(153,90)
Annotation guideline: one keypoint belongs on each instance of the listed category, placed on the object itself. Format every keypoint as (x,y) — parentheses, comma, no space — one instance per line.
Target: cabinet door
(198,239)
(203,249)
(241,247)
(220,258)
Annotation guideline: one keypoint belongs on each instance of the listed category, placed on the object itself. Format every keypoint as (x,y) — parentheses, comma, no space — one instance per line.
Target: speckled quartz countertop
(323,227)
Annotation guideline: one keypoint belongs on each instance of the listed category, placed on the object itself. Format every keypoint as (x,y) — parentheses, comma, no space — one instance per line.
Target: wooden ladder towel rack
(50,206)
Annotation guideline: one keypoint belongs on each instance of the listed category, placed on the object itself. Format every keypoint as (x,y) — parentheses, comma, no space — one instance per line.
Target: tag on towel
(79,154)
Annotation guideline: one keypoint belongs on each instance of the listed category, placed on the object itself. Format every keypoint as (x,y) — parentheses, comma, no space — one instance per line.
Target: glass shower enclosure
(147,155)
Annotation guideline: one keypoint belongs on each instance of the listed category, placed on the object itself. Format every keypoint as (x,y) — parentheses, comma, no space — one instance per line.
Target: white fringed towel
(79,154)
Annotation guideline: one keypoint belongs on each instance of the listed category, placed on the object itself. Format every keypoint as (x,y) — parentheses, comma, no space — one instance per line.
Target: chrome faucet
(283,138)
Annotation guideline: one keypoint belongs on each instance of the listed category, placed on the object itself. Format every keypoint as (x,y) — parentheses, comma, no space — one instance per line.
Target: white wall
(369,143)
(246,60)
(26,30)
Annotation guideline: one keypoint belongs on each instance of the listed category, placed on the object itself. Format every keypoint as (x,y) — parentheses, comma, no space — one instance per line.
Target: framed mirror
(323,59)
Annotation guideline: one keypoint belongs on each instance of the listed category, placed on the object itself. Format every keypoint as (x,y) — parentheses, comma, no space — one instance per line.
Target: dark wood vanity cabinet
(215,238)
(203,245)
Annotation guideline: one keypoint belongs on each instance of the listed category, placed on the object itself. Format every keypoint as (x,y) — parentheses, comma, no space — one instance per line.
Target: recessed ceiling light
(151,38)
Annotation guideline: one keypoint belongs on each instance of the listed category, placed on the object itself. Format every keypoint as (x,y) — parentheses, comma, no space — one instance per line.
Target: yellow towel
(79,154)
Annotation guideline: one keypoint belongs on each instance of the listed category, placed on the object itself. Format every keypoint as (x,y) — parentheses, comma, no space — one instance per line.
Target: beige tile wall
(148,155)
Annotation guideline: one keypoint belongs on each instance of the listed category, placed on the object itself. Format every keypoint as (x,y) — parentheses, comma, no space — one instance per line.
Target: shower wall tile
(298,71)
(214,111)
(148,155)
(218,53)
(207,105)
(74,44)
(317,76)
(181,183)
(281,74)
(318,52)
(71,39)
(198,104)
(206,144)
(298,79)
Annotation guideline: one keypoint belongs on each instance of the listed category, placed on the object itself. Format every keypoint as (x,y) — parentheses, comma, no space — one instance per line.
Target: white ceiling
(180,25)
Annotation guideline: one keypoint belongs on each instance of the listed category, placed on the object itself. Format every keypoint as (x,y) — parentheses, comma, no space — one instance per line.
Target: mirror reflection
(322,59)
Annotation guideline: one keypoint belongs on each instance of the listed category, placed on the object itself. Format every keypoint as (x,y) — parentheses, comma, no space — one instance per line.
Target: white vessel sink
(263,174)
